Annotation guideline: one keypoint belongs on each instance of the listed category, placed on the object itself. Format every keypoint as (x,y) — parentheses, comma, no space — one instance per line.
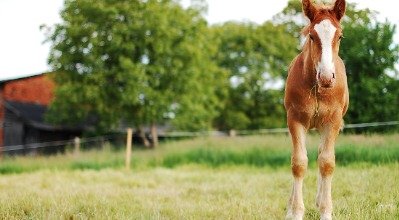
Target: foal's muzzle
(326,80)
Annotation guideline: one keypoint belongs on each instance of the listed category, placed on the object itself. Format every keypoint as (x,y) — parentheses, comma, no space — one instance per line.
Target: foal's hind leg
(326,162)
(299,164)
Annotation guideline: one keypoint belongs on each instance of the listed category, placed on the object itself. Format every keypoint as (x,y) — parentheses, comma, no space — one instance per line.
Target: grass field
(211,178)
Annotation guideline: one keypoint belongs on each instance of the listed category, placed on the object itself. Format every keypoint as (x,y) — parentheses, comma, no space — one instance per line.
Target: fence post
(128,147)
(77,146)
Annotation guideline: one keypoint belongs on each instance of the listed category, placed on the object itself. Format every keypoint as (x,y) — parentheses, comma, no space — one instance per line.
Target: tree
(133,61)
(256,56)
(370,55)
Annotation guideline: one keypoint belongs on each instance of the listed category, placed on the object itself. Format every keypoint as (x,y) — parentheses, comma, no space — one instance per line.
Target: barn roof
(2,81)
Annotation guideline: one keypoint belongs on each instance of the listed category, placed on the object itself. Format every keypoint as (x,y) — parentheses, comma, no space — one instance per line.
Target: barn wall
(14,129)
(37,89)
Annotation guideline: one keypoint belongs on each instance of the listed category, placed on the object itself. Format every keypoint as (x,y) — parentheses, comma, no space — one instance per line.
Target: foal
(316,96)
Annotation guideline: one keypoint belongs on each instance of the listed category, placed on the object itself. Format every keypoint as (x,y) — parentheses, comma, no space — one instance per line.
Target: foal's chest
(327,107)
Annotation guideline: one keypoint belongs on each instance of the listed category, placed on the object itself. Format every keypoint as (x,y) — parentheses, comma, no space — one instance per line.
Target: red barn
(23,104)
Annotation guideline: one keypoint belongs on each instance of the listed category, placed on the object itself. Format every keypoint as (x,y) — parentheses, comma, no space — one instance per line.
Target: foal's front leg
(299,164)
(326,162)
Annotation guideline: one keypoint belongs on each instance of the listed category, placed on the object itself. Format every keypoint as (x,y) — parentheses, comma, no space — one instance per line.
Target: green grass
(272,151)
(258,151)
(204,178)
(260,157)
(193,192)
(95,160)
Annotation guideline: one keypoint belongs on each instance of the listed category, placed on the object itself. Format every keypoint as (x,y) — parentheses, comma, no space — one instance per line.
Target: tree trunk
(154,135)
(142,136)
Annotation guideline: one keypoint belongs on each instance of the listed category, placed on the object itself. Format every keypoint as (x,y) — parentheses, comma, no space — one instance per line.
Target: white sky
(23,53)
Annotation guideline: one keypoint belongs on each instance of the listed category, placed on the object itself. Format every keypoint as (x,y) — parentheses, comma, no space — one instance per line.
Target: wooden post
(128,147)
(77,146)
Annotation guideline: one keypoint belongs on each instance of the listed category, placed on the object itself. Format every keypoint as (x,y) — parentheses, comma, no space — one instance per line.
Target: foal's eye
(311,37)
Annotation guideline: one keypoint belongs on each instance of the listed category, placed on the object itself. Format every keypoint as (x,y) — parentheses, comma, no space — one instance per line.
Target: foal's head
(324,33)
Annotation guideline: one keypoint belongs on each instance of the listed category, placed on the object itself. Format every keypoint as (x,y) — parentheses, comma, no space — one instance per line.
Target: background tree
(152,62)
(256,57)
(136,61)
(370,55)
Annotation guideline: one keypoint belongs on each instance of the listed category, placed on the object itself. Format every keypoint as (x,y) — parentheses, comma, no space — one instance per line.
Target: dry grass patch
(193,192)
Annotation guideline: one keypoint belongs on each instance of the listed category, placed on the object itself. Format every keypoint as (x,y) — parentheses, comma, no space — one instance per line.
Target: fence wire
(181,134)
(63,143)
(271,130)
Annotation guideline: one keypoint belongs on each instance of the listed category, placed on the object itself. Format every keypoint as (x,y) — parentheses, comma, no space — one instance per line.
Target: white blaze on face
(326,32)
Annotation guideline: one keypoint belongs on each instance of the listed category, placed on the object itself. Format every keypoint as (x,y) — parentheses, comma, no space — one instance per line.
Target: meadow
(202,178)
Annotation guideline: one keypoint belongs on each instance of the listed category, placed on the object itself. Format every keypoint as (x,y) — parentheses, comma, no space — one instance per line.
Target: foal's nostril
(333,75)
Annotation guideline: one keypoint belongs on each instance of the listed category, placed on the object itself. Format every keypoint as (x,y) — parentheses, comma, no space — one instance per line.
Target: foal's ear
(309,9)
(339,9)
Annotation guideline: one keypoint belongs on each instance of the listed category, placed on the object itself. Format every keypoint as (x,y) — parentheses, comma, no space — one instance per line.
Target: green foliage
(370,55)
(139,61)
(255,57)
(135,62)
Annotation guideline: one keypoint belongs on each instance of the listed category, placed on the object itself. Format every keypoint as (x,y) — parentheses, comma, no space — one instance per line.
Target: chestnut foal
(316,96)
